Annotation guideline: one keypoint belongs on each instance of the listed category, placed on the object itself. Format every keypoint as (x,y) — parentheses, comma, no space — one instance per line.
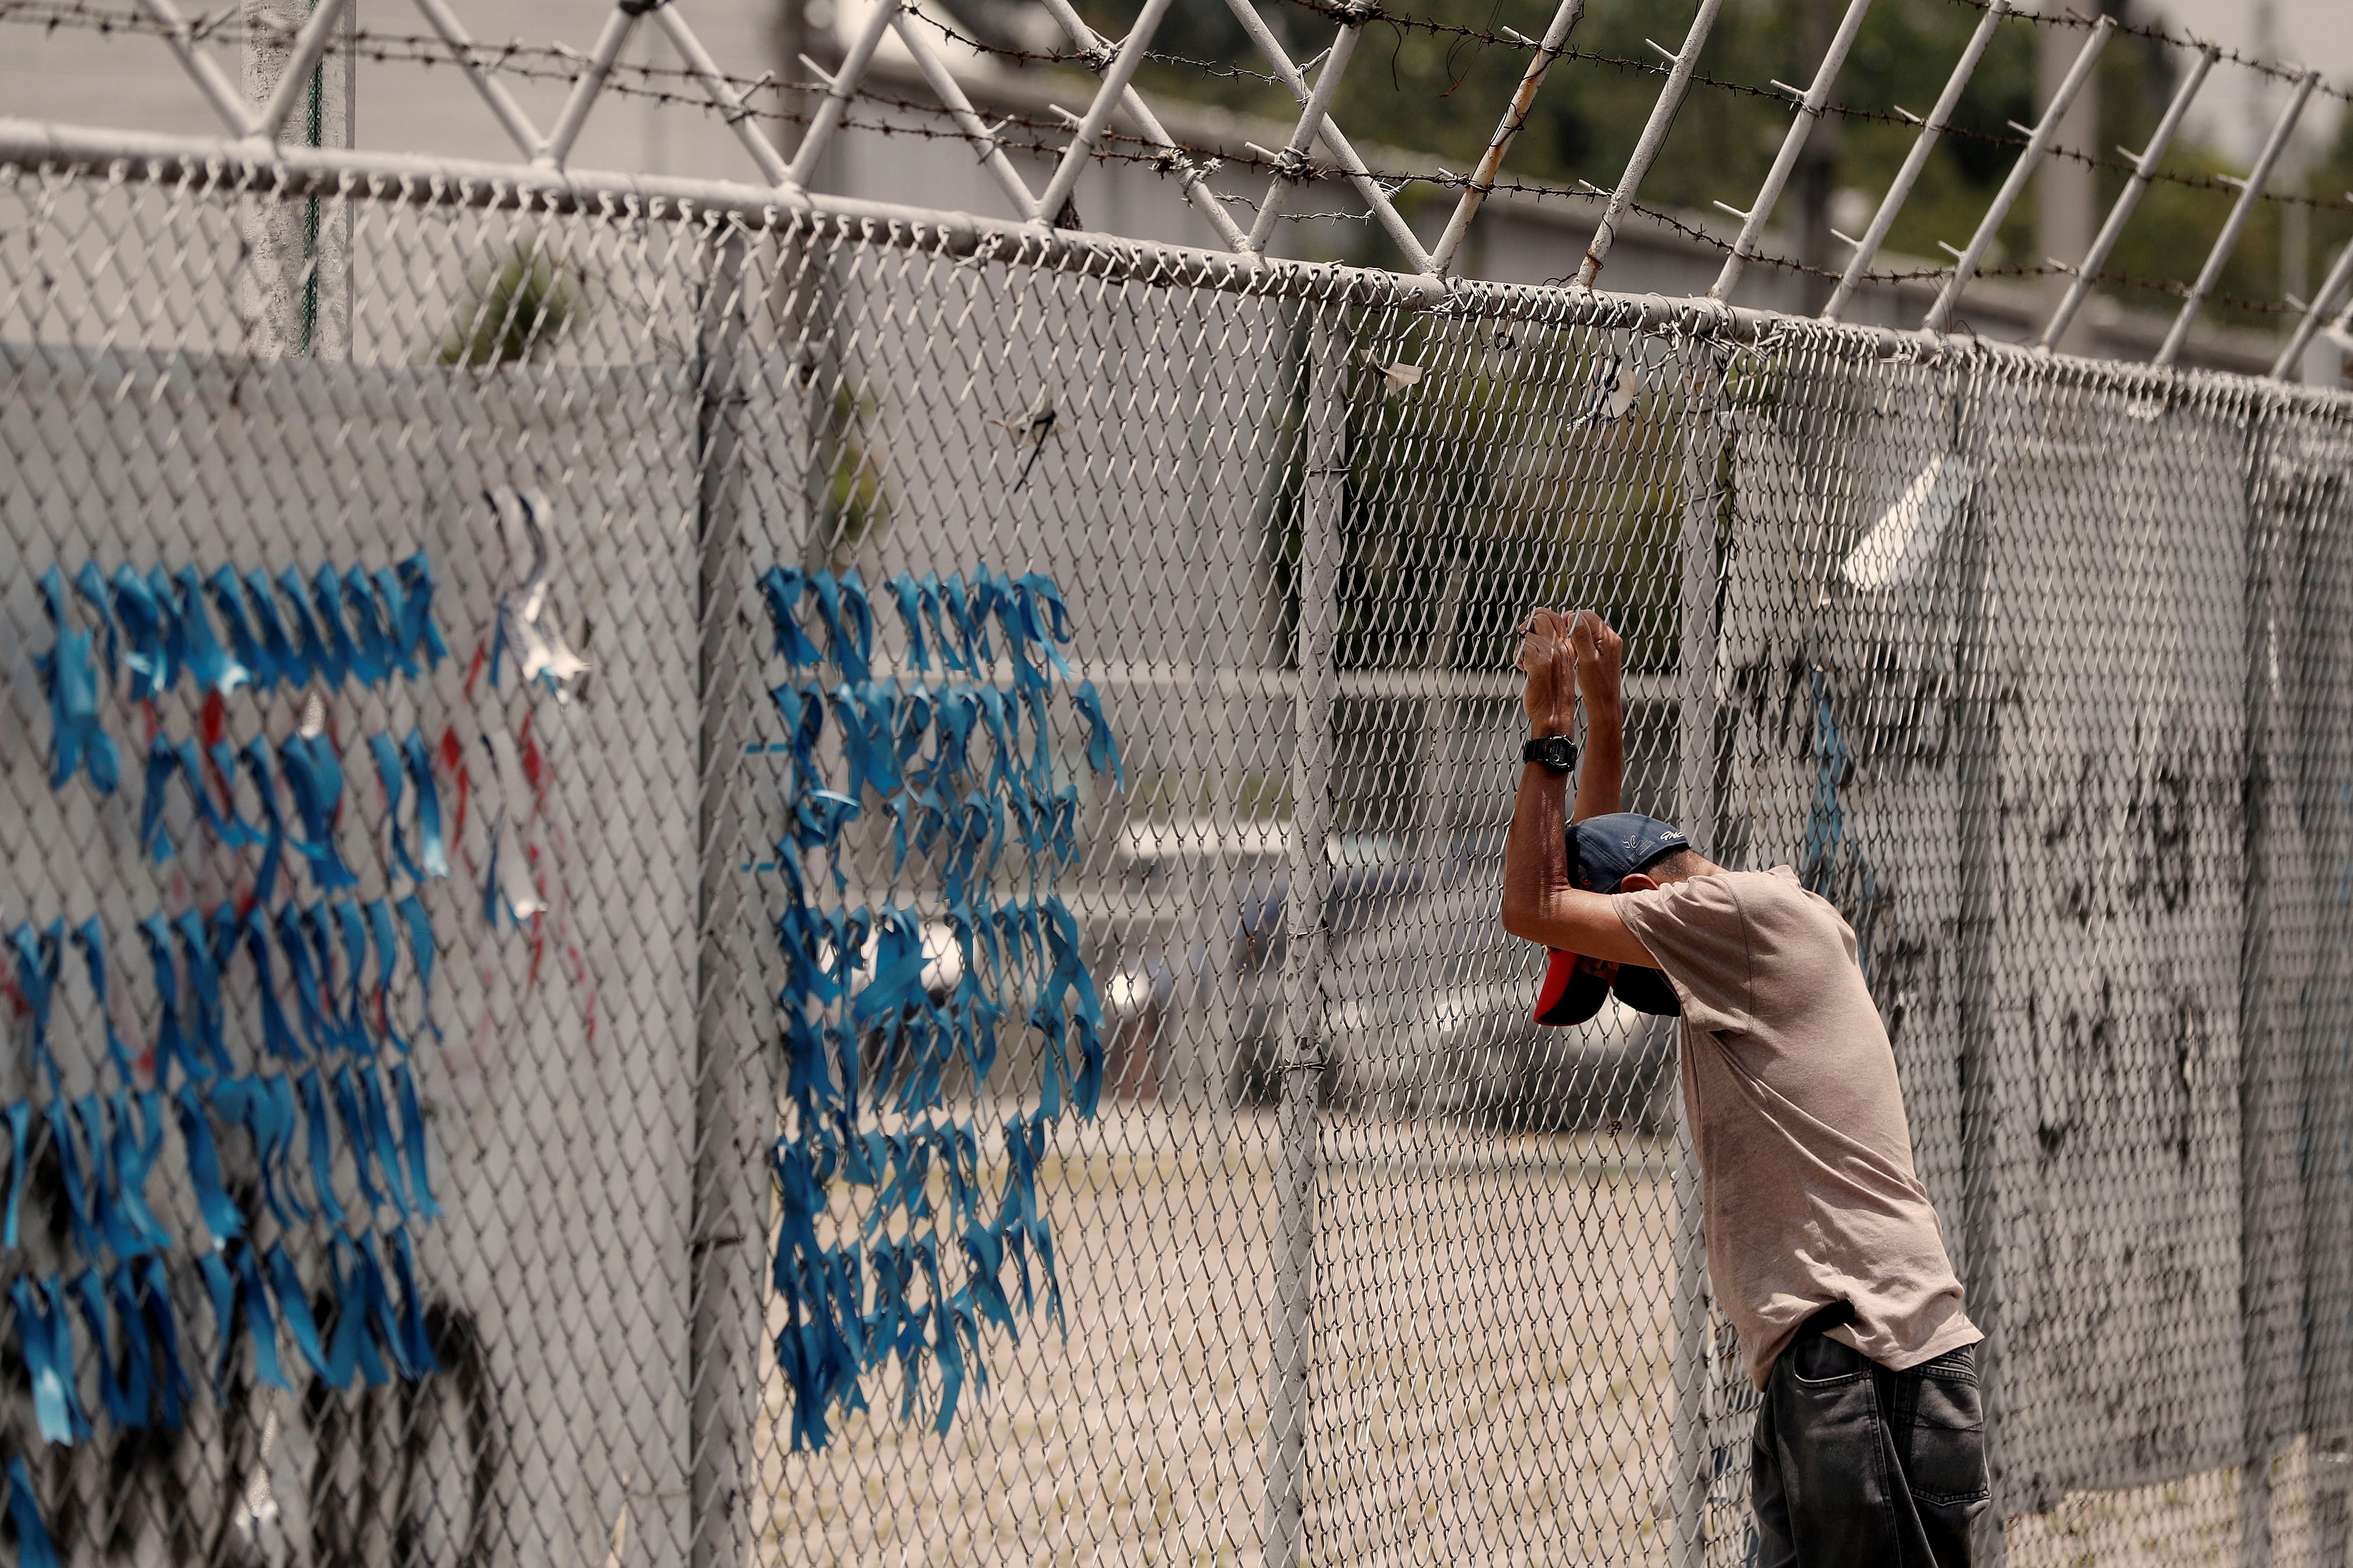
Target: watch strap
(1535,749)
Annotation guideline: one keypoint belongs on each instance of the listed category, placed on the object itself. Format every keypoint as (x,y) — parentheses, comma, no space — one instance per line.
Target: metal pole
(1098,115)
(310,46)
(2322,593)
(2251,191)
(588,85)
(828,119)
(1810,110)
(2143,170)
(1978,664)
(333,302)
(944,86)
(1483,179)
(733,107)
(2278,1173)
(1190,172)
(835,104)
(730,1127)
(1384,211)
(1703,475)
(1300,1041)
(1319,104)
(1965,267)
(1654,137)
(298,293)
(2257,1044)
(2297,340)
(1687,1471)
(1867,249)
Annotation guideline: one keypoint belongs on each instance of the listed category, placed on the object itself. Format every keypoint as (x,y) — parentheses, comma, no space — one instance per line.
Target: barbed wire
(428,48)
(557,62)
(553,62)
(1370,11)
(2172,289)
(2209,183)
(2218,183)
(2184,40)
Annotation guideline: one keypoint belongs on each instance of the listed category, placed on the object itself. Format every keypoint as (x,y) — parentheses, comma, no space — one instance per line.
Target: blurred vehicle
(1427,1004)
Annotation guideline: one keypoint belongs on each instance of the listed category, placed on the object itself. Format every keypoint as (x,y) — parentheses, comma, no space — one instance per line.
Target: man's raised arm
(1600,655)
(1540,904)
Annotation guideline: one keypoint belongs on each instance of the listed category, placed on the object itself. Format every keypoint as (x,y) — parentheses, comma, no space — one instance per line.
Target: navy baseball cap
(1603,851)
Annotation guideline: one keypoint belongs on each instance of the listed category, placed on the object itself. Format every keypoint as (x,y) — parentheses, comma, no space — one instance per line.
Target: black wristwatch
(1556,752)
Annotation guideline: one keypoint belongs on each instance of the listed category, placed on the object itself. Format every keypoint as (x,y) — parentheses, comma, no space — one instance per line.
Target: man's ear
(1636,882)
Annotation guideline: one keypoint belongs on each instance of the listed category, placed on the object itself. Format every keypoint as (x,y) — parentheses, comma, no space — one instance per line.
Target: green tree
(520,304)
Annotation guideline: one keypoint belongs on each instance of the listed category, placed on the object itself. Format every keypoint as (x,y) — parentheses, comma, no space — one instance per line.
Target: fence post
(1688,1471)
(1323,481)
(729,1126)
(2255,1009)
(1976,784)
(296,289)
(2317,582)
(2270,1293)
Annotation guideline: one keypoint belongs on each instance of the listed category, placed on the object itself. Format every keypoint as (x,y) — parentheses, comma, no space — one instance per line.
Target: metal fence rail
(963,1019)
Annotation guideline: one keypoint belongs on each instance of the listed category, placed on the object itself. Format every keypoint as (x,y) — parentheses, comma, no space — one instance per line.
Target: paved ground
(2192,1522)
(1491,1377)
(1475,1312)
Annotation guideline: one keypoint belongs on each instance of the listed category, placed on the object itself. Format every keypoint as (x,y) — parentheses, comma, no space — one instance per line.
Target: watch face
(1559,755)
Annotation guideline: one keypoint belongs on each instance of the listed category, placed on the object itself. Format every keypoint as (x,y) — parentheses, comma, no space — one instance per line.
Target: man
(1822,1244)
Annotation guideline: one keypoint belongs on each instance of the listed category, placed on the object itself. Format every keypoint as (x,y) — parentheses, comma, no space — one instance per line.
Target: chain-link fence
(779,891)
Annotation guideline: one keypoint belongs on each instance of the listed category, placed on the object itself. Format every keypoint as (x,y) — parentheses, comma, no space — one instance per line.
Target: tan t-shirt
(1805,1159)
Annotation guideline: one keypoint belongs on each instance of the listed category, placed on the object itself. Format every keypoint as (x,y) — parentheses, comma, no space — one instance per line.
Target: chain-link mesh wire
(1258,1222)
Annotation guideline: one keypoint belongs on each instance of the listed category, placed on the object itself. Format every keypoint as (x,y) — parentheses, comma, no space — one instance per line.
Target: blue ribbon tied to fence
(878,1004)
(96,1151)
(68,671)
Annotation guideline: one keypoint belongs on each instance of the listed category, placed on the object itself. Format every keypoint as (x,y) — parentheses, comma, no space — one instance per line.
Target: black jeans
(1858,1467)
